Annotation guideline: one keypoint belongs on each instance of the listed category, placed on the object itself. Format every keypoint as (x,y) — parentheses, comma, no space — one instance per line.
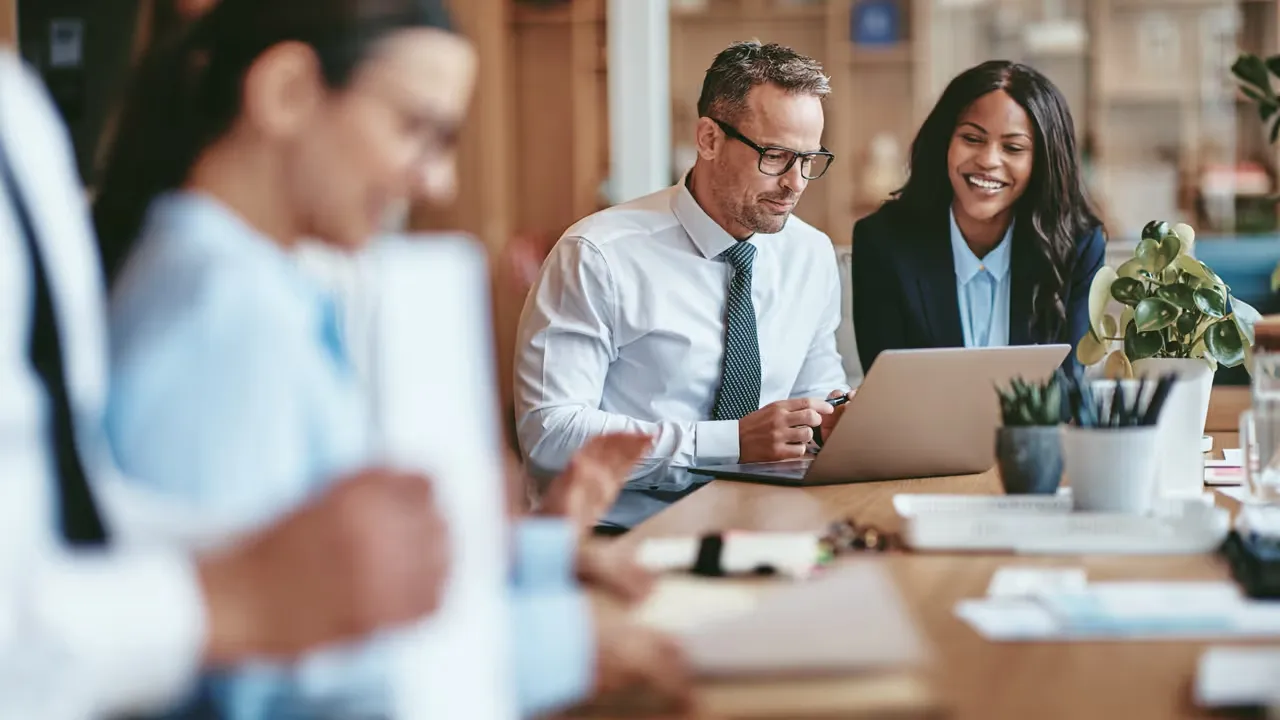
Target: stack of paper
(1058,605)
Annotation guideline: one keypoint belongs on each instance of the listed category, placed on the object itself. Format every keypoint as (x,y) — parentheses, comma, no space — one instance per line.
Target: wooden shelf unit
(556,156)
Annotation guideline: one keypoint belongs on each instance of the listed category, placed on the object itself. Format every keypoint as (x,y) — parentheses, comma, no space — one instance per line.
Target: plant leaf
(1117,367)
(1133,268)
(1188,321)
(1245,317)
(1251,69)
(1099,297)
(1179,294)
(1155,230)
(1199,271)
(1154,314)
(1139,345)
(1159,253)
(1090,350)
(1224,343)
(1109,327)
(1128,291)
(1186,234)
(1211,302)
(1273,64)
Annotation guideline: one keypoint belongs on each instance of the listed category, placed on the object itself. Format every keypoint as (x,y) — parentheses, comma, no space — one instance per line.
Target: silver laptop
(918,413)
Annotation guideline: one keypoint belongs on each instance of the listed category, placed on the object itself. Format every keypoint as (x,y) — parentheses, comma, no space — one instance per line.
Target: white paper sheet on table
(432,377)
(1060,609)
(1238,677)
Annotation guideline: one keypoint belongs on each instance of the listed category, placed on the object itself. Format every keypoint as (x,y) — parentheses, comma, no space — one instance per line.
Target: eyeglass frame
(796,155)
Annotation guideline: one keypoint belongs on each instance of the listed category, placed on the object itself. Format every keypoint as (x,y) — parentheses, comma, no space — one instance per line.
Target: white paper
(668,554)
(1237,493)
(1125,611)
(1235,456)
(1011,582)
(684,604)
(1008,619)
(1238,677)
(433,380)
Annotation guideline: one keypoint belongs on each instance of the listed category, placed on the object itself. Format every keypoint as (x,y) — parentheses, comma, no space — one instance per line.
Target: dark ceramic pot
(1030,459)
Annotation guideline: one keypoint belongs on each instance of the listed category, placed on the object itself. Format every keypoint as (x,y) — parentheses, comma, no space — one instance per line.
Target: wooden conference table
(972,678)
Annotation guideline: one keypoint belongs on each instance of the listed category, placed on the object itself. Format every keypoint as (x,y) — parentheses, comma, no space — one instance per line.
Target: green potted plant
(1175,316)
(1173,307)
(1254,78)
(1028,444)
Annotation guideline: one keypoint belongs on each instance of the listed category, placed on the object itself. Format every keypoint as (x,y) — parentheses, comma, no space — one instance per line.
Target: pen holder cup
(1111,469)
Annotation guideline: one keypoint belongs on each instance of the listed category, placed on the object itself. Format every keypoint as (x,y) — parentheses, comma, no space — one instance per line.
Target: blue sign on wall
(876,22)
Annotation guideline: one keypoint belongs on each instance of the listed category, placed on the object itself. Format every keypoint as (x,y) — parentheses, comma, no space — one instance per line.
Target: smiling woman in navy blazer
(992,240)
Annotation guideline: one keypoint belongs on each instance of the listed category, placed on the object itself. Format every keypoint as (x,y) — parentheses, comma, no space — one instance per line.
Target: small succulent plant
(1030,404)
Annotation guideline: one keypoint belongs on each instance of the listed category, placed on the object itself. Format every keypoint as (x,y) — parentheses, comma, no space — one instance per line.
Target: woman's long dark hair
(186,92)
(1053,214)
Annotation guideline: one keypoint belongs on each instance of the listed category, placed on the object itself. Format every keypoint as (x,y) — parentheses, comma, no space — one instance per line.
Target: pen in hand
(835,403)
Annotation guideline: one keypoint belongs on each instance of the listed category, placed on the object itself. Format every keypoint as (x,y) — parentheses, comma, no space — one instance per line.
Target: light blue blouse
(231,390)
(982,287)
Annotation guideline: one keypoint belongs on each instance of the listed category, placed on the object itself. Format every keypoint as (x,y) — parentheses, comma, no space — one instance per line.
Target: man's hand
(829,421)
(780,430)
(369,554)
(631,656)
(611,568)
(587,488)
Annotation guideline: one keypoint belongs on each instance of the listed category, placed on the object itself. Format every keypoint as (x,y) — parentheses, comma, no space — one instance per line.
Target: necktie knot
(740,256)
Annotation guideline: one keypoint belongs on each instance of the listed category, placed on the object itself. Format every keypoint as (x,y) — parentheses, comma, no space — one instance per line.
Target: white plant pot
(1111,470)
(1181,468)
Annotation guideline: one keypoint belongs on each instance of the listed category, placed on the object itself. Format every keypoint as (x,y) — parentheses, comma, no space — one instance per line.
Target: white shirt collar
(967,264)
(710,239)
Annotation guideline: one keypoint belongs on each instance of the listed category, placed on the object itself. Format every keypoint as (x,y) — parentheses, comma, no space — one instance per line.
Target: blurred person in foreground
(267,123)
(704,314)
(106,608)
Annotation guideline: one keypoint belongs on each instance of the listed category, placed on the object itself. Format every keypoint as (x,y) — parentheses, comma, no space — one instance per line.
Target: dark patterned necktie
(739,392)
(81,523)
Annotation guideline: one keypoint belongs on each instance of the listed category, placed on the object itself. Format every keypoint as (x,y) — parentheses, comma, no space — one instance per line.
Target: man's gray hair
(744,65)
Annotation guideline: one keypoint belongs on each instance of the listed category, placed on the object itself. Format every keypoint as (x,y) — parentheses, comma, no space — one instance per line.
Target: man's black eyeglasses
(775,161)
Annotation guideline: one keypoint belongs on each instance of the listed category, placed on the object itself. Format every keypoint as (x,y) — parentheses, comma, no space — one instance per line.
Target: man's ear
(710,138)
(283,88)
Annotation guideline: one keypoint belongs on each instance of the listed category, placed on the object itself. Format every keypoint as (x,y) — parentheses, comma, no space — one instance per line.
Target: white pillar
(639,97)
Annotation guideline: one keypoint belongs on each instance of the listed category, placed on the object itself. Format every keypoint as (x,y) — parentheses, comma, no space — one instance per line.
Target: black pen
(835,403)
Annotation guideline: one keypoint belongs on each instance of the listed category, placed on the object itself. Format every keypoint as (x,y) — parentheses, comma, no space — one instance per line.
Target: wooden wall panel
(9,22)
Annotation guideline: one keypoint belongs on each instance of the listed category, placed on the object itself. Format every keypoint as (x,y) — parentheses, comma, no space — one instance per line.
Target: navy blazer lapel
(1021,286)
(937,282)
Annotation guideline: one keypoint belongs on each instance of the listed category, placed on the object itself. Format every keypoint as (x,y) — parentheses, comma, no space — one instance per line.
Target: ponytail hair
(186,92)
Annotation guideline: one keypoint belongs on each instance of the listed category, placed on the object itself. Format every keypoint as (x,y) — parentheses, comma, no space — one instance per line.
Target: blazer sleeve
(1090,256)
(877,301)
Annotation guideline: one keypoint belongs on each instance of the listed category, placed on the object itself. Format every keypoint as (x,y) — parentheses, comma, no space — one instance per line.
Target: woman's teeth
(985,184)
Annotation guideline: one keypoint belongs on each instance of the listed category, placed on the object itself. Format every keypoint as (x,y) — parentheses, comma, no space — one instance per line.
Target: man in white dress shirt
(704,314)
(102,611)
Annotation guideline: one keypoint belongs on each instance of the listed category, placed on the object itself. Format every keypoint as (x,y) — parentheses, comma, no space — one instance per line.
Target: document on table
(848,620)
(1059,607)
(1238,677)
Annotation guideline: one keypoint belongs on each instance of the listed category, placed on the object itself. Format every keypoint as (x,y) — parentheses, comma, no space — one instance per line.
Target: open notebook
(840,644)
